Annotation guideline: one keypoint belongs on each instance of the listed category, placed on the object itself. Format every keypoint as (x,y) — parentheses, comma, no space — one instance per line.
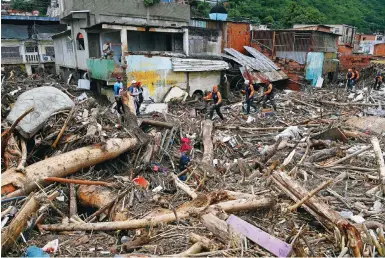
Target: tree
(31,5)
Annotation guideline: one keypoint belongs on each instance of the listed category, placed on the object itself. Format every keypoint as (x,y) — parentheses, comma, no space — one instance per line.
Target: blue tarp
(314,66)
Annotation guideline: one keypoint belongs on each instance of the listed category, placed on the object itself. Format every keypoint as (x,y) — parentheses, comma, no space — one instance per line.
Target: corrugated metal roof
(261,58)
(29,18)
(261,66)
(198,65)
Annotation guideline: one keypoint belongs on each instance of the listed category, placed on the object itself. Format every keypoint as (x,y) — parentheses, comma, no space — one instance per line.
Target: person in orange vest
(356,76)
(216,96)
(249,95)
(378,81)
(350,79)
(268,94)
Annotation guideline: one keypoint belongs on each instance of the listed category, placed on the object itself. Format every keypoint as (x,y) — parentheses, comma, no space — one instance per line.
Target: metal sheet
(299,57)
(198,65)
(246,60)
(261,58)
(314,66)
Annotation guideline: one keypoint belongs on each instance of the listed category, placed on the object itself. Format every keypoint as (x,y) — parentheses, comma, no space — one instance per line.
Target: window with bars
(10,52)
(49,51)
(30,47)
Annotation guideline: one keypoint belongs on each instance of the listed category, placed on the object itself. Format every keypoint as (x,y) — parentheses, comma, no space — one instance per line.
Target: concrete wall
(132,12)
(204,41)
(157,76)
(12,59)
(80,55)
(64,52)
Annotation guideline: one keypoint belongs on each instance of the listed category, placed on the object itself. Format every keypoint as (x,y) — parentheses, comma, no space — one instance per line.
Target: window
(31,47)
(80,41)
(49,51)
(337,31)
(10,52)
(379,38)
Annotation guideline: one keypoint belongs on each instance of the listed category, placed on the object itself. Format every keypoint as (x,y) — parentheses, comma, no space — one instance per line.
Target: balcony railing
(31,57)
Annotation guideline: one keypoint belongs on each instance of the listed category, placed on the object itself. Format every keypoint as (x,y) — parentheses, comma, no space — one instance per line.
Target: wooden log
(380,162)
(348,156)
(185,188)
(304,103)
(137,243)
(12,232)
(230,206)
(73,203)
(157,123)
(355,134)
(194,249)
(207,244)
(65,164)
(70,115)
(21,166)
(310,194)
(78,181)
(320,210)
(220,229)
(7,133)
(324,154)
(207,142)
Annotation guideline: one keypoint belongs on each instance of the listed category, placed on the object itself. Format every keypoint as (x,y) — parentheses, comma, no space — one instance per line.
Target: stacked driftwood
(104,185)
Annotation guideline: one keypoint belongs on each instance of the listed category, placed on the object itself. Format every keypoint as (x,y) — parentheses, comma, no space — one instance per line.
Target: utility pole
(37,43)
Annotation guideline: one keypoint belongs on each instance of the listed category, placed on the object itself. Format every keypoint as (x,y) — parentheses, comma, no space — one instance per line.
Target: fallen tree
(207,128)
(12,232)
(347,232)
(229,206)
(65,164)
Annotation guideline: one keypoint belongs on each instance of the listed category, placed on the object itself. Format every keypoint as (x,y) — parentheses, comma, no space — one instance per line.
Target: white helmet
(247,82)
(133,81)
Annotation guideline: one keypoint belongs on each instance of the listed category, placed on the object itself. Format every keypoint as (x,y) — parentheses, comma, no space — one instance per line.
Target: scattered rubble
(307,180)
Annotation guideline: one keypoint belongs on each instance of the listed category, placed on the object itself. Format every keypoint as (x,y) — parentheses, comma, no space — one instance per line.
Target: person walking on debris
(118,88)
(134,92)
(140,97)
(350,78)
(378,81)
(249,95)
(356,76)
(216,96)
(268,94)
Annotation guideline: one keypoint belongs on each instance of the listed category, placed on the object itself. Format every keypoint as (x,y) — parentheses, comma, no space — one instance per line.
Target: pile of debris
(78,180)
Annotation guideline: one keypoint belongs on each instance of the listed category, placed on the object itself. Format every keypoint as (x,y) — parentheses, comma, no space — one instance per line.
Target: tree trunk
(99,197)
(206,243)
(157,123)
(221,230)
(185,188)
(12,232)
(323,212)
(380,162)
(230,206)
(65,164)
(207,142)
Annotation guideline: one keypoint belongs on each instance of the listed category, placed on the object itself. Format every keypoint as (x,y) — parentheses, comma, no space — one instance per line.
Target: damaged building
(26,42)
(151,44)
(304,55)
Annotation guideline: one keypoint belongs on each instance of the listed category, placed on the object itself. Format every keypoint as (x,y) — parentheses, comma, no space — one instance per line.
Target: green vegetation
(367,15)
(31,5)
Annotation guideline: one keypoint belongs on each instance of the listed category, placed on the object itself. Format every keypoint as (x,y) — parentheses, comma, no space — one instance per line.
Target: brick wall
(345,50)
(357,61)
